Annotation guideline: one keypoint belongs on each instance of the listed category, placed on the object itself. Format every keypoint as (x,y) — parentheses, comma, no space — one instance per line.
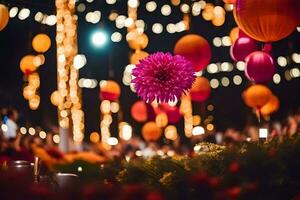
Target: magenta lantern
(242,47)
(259,67)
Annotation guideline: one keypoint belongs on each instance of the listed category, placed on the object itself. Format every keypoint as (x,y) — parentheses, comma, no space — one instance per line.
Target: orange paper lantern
(109,90)
(267,20)
(271,107)
(27,65)
(4,16)
(41,43)
(137,56)
(151,132)
(200,90)
(256,96)
(195,49)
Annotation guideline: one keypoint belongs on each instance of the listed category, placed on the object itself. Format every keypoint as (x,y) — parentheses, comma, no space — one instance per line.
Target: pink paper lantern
(242,47)
(259,67)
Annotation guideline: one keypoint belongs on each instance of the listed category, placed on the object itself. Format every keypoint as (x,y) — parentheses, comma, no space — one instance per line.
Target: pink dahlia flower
(162,77)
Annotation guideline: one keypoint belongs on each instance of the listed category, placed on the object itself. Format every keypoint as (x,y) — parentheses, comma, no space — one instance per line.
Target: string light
(13,12)
(24,13)
(56,139)
(151,6)
(43,134)
(166,10)
(214,83)
(276,78)
(157,28)
(125,131)
(23,130)
(198,130)
(31,131)
(116,37)
(68,75)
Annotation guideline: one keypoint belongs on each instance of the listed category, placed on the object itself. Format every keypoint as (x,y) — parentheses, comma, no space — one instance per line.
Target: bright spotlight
(99,38)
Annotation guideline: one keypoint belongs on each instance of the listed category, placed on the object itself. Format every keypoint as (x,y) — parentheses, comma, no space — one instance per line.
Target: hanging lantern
(27,65)
(4,16)
(137,56)
(270,107)
(259,67)
(267,20)
(242,47)
(56,98)
(41,43)
(109,90)
(195,49)
(141,111)
(200,90)
(256,96)
(151,132)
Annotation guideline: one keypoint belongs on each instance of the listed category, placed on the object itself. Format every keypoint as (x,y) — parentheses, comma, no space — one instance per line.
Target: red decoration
(109,90)
(259,67)
(195,49)
(200,90)
(172,112)
(267,20)
(141,111)
(242,47)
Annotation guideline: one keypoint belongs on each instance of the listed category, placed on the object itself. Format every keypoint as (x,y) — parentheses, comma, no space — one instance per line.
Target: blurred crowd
(18,145)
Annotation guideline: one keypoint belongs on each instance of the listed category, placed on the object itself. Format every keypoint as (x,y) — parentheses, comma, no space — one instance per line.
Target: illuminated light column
(186,109)
(70,115)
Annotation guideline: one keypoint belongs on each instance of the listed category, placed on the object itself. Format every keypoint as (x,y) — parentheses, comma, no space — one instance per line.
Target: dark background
(230,111)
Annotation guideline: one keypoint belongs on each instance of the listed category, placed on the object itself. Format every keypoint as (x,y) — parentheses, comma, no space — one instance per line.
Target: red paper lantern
(109,90)
(242,47)
(194,48)
(259,67)
(141,111)
(200,90)
(267,20)
(256,96)
(151,132)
